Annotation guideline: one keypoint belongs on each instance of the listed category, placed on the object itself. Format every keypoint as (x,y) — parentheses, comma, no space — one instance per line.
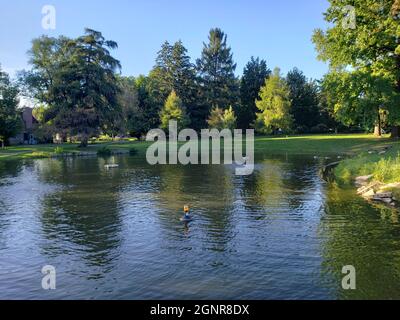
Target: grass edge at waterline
(344,144)
(384,167)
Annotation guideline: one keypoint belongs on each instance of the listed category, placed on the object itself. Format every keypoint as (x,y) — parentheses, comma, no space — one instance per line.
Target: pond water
(281,233)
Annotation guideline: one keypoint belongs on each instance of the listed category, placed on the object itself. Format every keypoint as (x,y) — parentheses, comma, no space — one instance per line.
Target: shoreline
(378,192)
(314,145)
(375,174)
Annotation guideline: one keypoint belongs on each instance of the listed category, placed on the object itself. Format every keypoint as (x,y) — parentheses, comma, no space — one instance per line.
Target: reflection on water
(368,239)
(281,233)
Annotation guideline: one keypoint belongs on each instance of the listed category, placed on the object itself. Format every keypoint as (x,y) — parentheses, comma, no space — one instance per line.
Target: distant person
(186,210)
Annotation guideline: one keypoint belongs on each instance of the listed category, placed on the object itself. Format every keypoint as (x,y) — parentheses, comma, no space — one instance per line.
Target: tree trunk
(378,131)
(2,144)
(378,126)
(395,132)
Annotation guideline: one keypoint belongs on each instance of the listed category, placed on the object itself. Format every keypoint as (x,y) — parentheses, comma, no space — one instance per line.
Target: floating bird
(110,166)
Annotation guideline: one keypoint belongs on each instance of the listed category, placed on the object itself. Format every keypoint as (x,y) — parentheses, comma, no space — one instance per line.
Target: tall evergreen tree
(149,105)
(217,71)
(274,105)
(76,78)
(222,119)
(173,110)
(304,97)
(254,75)
(174,72)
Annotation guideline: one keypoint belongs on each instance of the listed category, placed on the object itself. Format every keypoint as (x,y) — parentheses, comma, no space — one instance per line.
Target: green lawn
(46,150)
(384,167)
(350,144)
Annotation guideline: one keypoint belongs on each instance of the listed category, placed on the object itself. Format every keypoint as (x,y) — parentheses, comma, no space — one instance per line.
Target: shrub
(59,150)
(104,138)
(104,151)
(302,129)
(37,155)
(319,128)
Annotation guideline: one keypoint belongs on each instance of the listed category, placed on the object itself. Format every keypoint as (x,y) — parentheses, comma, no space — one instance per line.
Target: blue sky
(277,31)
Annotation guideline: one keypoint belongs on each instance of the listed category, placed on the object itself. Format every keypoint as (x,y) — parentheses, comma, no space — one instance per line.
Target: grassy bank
(350,144)
(379,173)
(384,167)
(344,144)
(49,150)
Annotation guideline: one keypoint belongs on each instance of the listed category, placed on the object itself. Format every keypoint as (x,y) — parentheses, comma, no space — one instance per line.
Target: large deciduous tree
(359,98)
(254,75)
(364,38)
(10,120)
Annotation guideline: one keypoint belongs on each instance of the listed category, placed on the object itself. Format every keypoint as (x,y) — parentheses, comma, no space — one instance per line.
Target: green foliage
(150,104)
(43,130)
(254,75)
(59,150)
(132,120)
(215,119)
(37,155)
(365,59)
(359,97)
(76,79)
(174,72)
(10,120)
(104,151)
(222,119)
(304,98)
(173,110)
(319,128)
(274,105)
(39,112)
(328,144)
(217,71)
(229,119)
(383,169)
